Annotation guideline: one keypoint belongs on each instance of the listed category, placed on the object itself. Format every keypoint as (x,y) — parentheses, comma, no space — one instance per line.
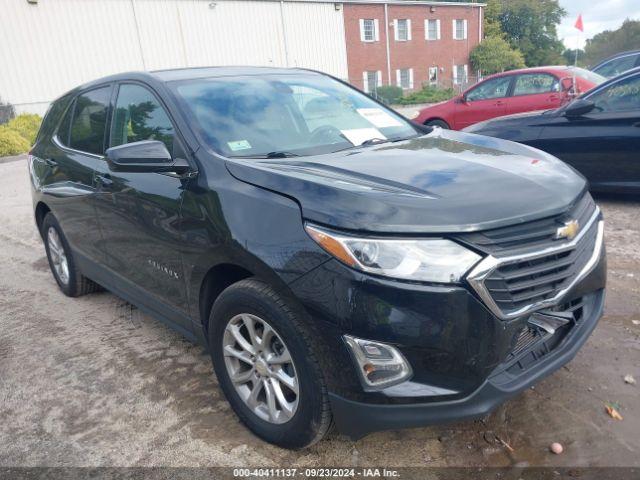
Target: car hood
(445,181)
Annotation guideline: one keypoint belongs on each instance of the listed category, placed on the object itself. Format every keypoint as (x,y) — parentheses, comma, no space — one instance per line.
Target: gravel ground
(93,382)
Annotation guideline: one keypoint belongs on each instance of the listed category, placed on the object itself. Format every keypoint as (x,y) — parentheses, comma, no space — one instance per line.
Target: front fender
(229,222)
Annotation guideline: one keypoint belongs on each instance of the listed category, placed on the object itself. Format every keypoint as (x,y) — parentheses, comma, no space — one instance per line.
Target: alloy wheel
(58,256)
(261,368)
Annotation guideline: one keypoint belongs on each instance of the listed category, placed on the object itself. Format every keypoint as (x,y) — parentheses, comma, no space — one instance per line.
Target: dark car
(617,64)
(598,134)
(341,264)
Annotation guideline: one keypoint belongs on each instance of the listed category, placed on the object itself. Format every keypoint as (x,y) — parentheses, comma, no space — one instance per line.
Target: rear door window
(89,121)
(139,116)
(535,83)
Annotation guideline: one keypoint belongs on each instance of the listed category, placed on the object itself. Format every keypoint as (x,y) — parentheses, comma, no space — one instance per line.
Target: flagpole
(580,27)
(575,65)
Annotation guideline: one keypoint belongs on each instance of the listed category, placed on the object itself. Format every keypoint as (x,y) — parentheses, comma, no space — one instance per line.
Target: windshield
(286,115)
(588,75)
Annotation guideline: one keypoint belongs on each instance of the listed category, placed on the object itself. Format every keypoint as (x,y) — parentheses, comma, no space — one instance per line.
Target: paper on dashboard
(378,117)
(359,135)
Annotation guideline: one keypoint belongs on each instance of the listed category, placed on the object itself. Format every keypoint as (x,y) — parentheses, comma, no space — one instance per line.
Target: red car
(516,91)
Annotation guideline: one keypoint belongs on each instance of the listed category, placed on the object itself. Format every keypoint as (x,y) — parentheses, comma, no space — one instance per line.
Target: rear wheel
(61,261)
(264,360)
(438,123)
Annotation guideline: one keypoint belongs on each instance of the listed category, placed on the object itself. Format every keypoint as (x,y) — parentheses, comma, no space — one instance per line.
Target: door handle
(637,125)
(104,180)
(50,162)
(499,103)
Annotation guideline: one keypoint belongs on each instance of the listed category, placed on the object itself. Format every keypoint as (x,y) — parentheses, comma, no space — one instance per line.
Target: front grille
(531,235)
(527,268)
(531,334)
(516,285)
(532,343)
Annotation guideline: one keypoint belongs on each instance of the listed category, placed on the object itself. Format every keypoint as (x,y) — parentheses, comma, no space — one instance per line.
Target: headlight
(425,260)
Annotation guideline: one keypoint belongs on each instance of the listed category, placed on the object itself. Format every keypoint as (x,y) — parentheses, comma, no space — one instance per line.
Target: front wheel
(438,123)
(264,360)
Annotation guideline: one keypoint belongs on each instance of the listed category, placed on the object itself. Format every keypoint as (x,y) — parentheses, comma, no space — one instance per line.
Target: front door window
(494,88)
(139,116)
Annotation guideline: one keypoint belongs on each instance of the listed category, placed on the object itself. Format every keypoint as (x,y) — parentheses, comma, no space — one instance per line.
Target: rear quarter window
(52,117)
(63,129)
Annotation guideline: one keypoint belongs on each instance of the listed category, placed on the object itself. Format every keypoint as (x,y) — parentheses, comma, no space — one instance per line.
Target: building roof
(457,3)
(173,74)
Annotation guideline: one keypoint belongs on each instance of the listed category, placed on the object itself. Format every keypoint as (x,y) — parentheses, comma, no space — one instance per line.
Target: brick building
(410,43)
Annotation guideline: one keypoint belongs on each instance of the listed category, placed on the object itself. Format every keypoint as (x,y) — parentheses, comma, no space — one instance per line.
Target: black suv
(341,264)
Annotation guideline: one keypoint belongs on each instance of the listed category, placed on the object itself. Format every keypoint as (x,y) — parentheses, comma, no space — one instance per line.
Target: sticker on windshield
(239,145)
(359,135)
(379,117)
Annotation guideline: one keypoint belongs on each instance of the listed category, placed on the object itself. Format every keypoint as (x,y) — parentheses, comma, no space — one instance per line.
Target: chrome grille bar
(490,264)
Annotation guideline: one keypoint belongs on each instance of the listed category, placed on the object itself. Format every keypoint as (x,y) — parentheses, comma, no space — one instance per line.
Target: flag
(579,25)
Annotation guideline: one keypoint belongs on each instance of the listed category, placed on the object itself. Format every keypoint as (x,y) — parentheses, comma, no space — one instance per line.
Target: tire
(69,279)
(438,123)
(253,302)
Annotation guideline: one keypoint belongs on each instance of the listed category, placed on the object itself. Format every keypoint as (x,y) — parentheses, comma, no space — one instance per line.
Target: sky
(597,16)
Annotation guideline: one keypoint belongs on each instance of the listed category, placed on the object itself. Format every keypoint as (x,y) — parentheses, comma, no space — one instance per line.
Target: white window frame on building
(464,24)
(406,26)
(433,73)
(367,81)
(408,74)
(427,30)
(371,34)
(457,80)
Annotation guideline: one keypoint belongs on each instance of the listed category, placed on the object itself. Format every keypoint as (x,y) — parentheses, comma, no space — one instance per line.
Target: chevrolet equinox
(341,264)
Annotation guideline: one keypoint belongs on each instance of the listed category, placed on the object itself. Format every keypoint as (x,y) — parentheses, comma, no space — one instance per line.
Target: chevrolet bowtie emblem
(568,231)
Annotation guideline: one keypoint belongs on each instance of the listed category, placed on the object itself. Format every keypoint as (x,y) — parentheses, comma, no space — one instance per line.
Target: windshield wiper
(269,155)
(281,155)
(374,141)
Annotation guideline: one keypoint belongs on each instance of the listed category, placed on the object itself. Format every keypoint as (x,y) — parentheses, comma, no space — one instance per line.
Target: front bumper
(461,353)
(357,419)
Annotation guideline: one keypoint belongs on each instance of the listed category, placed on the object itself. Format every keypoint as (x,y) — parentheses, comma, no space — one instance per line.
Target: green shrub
(11,143)
(389,94)
(26,125)
(428,95)
(495,55)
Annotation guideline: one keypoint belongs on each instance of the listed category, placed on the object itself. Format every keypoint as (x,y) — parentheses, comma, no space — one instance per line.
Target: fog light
(379,365)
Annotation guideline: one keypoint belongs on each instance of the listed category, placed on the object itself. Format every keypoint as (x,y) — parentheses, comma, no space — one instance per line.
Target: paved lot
(92,382)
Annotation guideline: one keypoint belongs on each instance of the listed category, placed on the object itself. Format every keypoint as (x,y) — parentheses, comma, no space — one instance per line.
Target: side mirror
(567,84)
(579,107)
(460,99)
(150,156)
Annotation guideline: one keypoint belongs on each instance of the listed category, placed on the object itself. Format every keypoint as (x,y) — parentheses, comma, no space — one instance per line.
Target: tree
(608,43)
(494,54)
(491,25)
(570,56)
(531,27)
